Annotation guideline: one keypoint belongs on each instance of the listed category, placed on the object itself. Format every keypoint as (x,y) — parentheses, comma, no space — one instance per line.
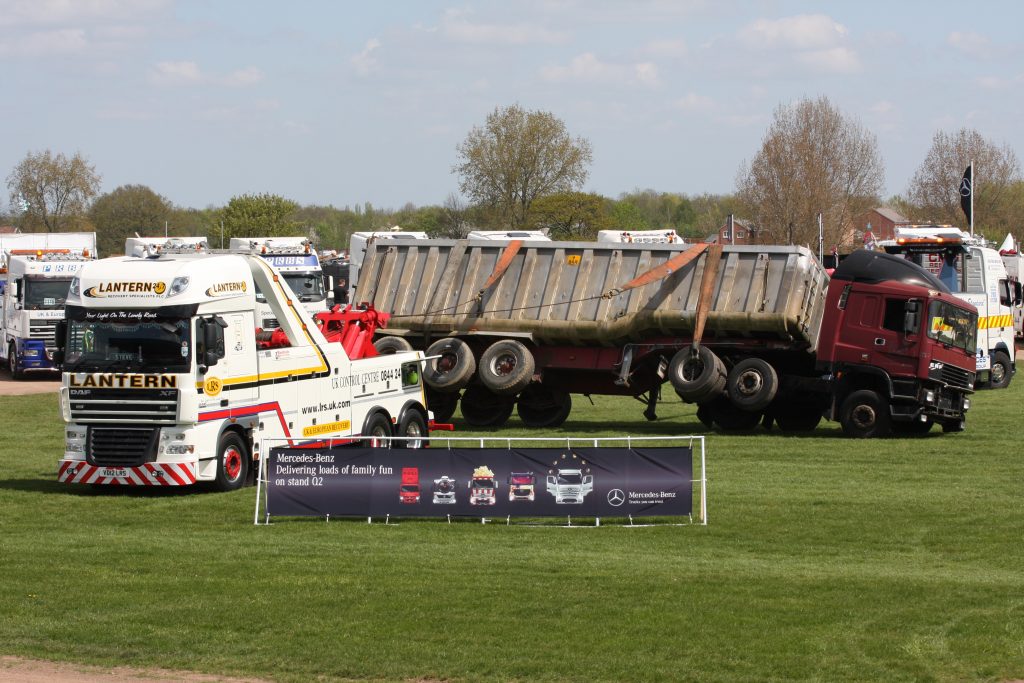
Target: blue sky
(350,102)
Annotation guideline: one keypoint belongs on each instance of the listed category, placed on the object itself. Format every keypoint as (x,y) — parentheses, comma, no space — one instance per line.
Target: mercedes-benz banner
(483,482)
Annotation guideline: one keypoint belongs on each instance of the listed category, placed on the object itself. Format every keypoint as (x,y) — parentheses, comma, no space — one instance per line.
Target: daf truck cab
(297,261)
(976,274)
(167,383)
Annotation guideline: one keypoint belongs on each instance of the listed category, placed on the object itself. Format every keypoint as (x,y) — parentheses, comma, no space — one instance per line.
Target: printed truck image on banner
(480,482)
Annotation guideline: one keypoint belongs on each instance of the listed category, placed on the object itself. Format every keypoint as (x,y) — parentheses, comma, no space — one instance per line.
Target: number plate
(119,472)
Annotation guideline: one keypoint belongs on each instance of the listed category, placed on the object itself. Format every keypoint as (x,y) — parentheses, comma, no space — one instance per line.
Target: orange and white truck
(483,488)
(166,383)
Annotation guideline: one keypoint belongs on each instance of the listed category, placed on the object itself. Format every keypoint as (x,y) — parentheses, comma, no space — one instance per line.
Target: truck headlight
(929,396)
(179,449)
(967,403)
(74,447)
(31,353)
(178,285)
(76,287)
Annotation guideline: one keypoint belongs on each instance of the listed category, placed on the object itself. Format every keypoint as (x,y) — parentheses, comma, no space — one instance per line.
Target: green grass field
(825,559)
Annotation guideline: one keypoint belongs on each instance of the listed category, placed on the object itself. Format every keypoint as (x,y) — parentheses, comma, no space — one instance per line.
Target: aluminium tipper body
(569,292)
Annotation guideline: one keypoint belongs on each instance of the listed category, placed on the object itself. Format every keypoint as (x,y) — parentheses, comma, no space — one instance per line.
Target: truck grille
(271,324)
(955,377)
(45,330)
(121,446)
(124,405)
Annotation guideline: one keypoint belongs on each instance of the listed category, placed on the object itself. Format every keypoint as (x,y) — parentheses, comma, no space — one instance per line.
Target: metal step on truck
(745,332)
(166,381)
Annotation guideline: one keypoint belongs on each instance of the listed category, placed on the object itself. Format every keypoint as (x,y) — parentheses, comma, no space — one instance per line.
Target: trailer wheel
(483,408)
(797,417)
(387,346)
(864,414)
(455,367)
(1001,370)
(752,384)
(729,418)
(540,406)
(506,367)
(697,378)
(443,405)
(377,428)
(413,426)
(12,362)
(232,462)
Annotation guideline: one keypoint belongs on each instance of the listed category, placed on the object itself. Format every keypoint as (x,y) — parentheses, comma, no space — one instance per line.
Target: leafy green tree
(261,215)
(52,191)
(628,216)
(570,215)
(128,210)
(518,156)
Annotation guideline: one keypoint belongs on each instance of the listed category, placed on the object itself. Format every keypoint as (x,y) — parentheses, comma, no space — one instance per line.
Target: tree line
(522,169)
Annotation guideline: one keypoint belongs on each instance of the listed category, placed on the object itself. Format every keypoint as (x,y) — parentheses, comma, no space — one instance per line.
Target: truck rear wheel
(443,405)
(506,367)
(864,415)
(1001,371)
(455,367)
(697,377)
(729,418)
(232,462)
(389,345)
(540,406)
(413,426)
(12,362)
(752,384)
(377,427)
(483,408)
(796,417)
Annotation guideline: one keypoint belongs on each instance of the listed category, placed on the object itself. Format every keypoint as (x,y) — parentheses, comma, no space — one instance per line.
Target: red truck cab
(409,491)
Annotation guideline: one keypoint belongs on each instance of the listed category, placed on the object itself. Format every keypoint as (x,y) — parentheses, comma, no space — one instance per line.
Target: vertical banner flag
(966,192)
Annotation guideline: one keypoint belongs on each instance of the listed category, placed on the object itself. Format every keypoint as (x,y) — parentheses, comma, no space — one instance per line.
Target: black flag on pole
(966,192)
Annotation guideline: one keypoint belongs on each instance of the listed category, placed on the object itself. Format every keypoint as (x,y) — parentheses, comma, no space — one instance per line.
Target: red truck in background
(409,492)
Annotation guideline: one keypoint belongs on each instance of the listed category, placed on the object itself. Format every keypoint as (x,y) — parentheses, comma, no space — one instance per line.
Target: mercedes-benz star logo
(616,497)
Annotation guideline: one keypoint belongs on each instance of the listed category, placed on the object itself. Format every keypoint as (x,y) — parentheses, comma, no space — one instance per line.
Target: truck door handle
(879,341)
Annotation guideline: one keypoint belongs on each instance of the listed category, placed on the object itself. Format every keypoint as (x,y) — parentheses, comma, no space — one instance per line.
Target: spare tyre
(388,345)
(453,367)
(506,367)
(752,384)
(697,377)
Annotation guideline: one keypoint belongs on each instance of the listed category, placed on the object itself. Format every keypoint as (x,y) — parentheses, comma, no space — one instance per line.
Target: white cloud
(243,77)
(832,60)
(882,107)
(587,68)
(176,73)
(364,62)
(802,32)
(46,43)
(456,26)
(992,82)
(970,43)
(691,101)
(27,12)
(667,48)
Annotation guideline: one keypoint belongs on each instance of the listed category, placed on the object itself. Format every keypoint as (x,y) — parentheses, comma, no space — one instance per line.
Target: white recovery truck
(296,260)
(33,303)
(167,383)
(975,273)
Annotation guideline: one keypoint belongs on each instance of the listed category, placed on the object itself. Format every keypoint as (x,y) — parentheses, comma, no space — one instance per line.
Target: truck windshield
(410,488)
(953,326)
(483,483)
(50,293)
(522,480)
(119,341)
(306,286)
(569,478)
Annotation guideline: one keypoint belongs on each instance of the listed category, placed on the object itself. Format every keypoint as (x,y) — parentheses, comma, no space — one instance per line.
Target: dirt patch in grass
(35,671)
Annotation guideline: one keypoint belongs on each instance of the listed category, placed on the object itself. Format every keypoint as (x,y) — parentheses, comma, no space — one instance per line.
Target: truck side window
(894,310)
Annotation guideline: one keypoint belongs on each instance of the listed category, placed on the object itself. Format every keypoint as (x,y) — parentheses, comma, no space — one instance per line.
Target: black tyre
(539,406)
(388,345)
(864,415)
(233,462)
(442,405)
(1001,371)
(414,426)
(697,377)
(752,384)
(506,367)
(12,363)
(796,417)
(729,418)
(377,428)
(455,367)
(912,428)
(483,408)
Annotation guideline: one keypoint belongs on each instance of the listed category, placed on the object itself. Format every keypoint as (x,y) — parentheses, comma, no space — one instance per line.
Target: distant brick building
(745,233)
(8,230)
(881,222)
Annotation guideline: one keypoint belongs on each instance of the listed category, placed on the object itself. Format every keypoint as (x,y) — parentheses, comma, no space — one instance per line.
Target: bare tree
(53,190)
(812,160)
(517,156)
(934,191)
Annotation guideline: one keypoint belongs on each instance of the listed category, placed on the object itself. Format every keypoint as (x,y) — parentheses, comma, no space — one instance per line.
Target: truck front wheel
(864,415)
(414,427)
(232,462)
(12,362)
(1001,371)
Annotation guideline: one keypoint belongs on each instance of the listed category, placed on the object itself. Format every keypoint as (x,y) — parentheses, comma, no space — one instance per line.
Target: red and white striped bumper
(150,474)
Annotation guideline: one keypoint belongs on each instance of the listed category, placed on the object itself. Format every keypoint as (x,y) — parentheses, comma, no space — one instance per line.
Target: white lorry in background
(570,485)
(974,273)
(166,382)
(509,235)
(640,236)
(33,304)
(151,246)
(357,251)
(1013,261)
(296,260)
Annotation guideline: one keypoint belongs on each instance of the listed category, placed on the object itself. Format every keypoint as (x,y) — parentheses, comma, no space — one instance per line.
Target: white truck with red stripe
(975,273)
(165,382)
